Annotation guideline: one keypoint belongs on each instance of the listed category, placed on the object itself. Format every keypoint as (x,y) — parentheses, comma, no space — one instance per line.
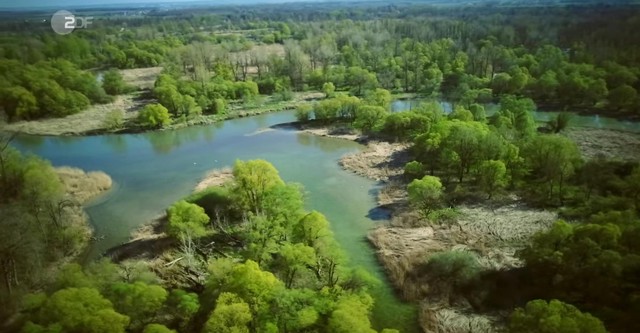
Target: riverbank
(81,188)
(93,121)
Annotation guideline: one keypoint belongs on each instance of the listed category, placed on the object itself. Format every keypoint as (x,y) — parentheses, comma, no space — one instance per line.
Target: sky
(62,4)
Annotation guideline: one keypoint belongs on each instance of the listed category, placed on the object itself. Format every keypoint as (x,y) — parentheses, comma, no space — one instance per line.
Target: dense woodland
(276,267)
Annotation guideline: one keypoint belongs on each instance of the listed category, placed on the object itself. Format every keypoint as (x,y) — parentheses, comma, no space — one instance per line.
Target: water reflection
(325,144)
(118,143)
(163,142)
(31,141)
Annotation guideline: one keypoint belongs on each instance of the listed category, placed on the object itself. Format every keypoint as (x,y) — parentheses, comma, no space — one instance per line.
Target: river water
(593,121)
(153,170)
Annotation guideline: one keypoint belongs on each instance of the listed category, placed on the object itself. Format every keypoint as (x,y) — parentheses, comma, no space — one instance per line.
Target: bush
(456,267)
(114,120)
(303,112)
(154,116)
(413,170)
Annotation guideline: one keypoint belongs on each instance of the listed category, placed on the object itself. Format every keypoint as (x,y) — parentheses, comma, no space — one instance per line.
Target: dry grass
(83,186)
(142,78)
(89,120)
(439,319)
(494,235)
(610,143)
(380,161)
(215,177)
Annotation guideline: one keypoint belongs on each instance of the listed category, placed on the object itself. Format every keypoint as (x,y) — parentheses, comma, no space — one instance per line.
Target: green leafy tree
(18,103)
(553,317)
(425,194)
(154,116)
(369,117)
(231,315)
(183,306)
(81,310)
(413,170)
(451,270)
(379,97)
(552,159)
(295,258)
(157,328)
(303,112)
(140,301)
(328,89)
(351,315)
(623,97)
(187,219)
(113,84)
(253,179)
(492,176)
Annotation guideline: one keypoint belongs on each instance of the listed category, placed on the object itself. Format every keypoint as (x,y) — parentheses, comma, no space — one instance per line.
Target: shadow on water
(379,214)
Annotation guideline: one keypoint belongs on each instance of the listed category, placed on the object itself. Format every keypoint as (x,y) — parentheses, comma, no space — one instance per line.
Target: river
(153,170)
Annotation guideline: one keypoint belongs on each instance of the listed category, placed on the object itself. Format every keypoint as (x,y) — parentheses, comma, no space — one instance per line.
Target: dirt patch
(92,119)
(380,161)
(612,144)
(83,186)
(215,177)
(142,78)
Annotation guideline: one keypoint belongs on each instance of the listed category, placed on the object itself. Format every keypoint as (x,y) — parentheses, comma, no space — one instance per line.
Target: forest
(247,256)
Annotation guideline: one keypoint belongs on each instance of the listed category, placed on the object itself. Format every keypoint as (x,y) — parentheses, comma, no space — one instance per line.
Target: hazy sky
(62,4)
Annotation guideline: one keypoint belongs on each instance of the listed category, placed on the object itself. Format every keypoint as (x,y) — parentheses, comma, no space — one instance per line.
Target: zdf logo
(63,22)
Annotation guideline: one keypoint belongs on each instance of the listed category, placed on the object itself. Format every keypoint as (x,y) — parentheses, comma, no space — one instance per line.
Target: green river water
(153,170)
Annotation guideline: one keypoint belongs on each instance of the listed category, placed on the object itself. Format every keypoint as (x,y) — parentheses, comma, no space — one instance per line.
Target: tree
(351,315)
(328,89)
(623,97)
(113,84)
(183,306)
(186,219)
(114,119)
(303,112)
(379,97)
(492,176)
(553,317)
(253,179)
(552,159)
(154,116)
(515,118)
(140,301)
(560,122)
(231,315)
(294,258)
(81,310)
(157,328)
(451,270)
(425,194)
(18,103)
(369,117)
